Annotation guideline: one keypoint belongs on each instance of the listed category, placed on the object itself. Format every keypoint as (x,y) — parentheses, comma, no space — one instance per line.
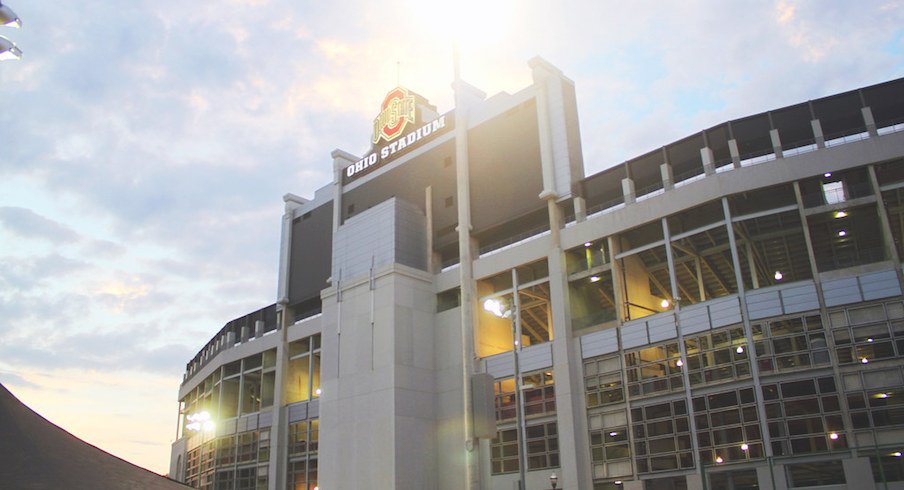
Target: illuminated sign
(397,129)
(398,110)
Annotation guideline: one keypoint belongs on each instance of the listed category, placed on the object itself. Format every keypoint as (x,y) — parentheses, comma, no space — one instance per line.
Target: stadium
(462,307)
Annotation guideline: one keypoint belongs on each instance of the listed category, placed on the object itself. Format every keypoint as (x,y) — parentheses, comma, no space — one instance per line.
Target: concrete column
(776,143)
(668,177)
(246,333)
(735,154)
(771,478)
(709,166)
(870,121)
(627,186)
(258,329)
(817,133)
(858,471)
(279,429)
(580,209)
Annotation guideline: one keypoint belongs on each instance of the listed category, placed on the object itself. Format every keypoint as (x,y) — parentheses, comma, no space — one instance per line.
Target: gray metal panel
(314,408)
(364,240)
(598,343)
(266,418)
(227,427)
(662,327)
(762,304)
(880,285)
(298,411)
(694,319)
(536,357)
(634,334)
(800,298)
(501,365)
(841,291)
(725,311)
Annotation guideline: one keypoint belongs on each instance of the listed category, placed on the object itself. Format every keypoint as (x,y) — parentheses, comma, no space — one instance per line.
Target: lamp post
(503,309)
(8,49)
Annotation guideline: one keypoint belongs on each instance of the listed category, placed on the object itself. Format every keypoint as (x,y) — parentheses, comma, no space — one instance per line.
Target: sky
(145,146)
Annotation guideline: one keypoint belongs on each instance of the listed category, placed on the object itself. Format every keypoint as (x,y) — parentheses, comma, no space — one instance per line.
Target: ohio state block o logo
(396,112)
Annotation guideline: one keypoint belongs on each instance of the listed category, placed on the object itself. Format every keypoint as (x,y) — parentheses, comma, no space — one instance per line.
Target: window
(728,428)
(304,370)
(790,344)
(654,370)
(804,416)
(717,356)
(815,474)
(603,381)
(662,439)
(867,334)
(538,390)
(846,238)
(494,333)
(542,448)
(302,445)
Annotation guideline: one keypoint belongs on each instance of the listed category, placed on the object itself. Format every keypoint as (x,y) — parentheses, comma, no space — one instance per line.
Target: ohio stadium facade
(461,307)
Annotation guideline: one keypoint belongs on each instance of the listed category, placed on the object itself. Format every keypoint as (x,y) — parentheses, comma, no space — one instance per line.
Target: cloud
(28,224)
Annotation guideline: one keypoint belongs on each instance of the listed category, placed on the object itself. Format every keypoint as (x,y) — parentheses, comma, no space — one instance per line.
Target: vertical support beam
(341,160)
(432,262)
(580,209)
(627,186)
(668,178)
(869,121)
(776,143)
(817,133)
(709,166)
(466,278)
(279,429)
(734,152)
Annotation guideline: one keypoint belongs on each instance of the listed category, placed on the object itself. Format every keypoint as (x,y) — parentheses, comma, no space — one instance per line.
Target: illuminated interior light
(665,303)
(870,339)
(719,460)
(841,214)
(864,361)
(679,363)
(613,434)
(827,174)
(594,278)
(317,392)
(744,447)
(842,232)
(740,349)
(882,395)
(779,275)
(618,482)
(896,454)
(833,436)
(588,244)
(496,307)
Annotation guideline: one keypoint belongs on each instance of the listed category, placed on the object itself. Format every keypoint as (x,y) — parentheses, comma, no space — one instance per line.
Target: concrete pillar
(246,333)
(735,154)
(627,186)
(668,177)
(870,121)
(776,143)
(230,339)
(859,472)
(709,166)
(817,133)
(258,329)
(580,209)
(771,478)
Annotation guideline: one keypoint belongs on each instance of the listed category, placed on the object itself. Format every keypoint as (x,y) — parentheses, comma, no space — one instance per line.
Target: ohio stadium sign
(397,129)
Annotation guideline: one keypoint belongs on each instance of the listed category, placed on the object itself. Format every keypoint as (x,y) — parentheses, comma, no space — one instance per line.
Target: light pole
(8,49)
(503,309)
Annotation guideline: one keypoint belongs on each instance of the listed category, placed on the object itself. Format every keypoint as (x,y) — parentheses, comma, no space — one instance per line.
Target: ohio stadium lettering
(386,153)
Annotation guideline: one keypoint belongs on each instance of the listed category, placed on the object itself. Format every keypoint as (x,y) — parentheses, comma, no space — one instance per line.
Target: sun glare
(469,23)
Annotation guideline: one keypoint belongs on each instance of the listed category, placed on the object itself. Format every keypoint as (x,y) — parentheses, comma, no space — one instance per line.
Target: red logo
(397,111)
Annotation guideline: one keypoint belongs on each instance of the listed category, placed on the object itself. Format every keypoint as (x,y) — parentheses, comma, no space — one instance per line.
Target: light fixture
(740,349)
(9,18)
(719,460)
(617,482)
(864,361)
(896,454)
(9,50)
(870,340)
(588,244)
(744,447)
(553,480)
(842,232)
(779,275)
(496,307)
(679,363)
(664,303)
(882,395)
(840,214)
(594,278)
(200,421)
(317,392)
(613,434)
(827,174)
(833,436)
